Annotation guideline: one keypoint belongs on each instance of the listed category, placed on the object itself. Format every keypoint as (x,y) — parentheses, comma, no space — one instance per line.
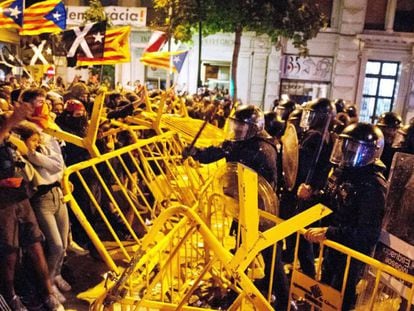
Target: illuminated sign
(119,15)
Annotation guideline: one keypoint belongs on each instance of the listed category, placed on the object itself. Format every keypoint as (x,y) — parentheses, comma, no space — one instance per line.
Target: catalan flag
(11,14)
(44,17)
(116,48)
(166,60)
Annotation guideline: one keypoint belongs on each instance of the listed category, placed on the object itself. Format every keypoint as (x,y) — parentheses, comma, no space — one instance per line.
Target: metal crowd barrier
(373,290)
(127,189)
(185,260)
(162,226)
(177,248)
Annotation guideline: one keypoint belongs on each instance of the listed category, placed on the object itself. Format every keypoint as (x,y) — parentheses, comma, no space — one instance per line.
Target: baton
(317,155)
(207,119)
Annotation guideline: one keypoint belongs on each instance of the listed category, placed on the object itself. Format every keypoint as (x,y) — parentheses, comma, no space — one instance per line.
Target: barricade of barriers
(163,226)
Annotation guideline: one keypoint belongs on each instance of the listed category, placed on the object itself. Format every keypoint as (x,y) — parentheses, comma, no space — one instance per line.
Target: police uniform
(357,198)
(258,152)
(356,193)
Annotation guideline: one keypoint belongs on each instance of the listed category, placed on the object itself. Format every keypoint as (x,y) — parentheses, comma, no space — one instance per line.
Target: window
(375,15)
(380,84)
(325,7)
(404,16)
(303,91)
(216,75)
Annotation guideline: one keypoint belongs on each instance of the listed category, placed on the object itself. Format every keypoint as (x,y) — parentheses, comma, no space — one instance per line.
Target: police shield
(226,182)
(290,156)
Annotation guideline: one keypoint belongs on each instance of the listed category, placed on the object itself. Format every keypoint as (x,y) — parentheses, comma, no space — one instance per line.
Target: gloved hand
(188,151)
(305,192)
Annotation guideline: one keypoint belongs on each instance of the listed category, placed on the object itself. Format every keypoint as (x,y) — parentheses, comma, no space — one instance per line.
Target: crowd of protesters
(41,159)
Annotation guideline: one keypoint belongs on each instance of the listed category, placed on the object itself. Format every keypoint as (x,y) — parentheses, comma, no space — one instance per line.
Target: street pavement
(83,273)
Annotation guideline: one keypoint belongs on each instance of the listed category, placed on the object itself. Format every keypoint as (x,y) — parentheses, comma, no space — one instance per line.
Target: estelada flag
(166,60)
(116,48)
(44,17)
(11,14)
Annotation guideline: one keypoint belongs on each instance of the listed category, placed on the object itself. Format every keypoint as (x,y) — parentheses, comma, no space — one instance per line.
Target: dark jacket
(357,198)
(257,153)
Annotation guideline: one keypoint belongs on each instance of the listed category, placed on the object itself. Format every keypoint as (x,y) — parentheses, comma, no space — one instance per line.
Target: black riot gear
(273,124)
(389,123)
(247,122)
(295,117)
(358,145)
(317,114)
(284,109)
(389,120)
(339,105)
(249,144)
(404,139)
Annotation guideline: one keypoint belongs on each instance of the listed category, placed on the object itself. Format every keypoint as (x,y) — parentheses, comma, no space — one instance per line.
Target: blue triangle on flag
(15,12)
(58,15)
(178,60)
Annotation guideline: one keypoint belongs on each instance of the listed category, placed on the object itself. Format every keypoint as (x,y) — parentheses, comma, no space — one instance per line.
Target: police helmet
(339,105)
(404,139)
(317,114)
(358,145)
(389,120)
(273,124)
(284,109)
(389,123)
(246,122)
(351,110)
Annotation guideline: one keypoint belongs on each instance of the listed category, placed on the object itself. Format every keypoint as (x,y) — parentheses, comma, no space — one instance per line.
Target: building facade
(365,57)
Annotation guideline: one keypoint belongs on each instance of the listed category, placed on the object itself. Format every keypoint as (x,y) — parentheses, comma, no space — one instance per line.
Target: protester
(47,200)
(19,227)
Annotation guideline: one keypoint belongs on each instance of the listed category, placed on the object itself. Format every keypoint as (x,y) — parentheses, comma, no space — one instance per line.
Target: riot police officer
(314,152)
(404,138)
(389,123)
(357,217)
(248,143)
(274,125)
(285,108)
(339,105)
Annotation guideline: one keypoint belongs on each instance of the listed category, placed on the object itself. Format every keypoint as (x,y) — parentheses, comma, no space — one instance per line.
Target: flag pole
(169,71)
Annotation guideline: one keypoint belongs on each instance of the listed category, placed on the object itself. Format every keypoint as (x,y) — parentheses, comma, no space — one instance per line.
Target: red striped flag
(44,17)
(11,14)
(155,43)
(116,48)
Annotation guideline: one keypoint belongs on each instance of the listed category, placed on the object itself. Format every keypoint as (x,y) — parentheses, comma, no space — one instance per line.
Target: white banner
(312,68)
(118,15)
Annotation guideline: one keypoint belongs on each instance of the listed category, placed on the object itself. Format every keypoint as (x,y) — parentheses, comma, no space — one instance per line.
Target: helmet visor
(238,130)
(350,153)
(306,119)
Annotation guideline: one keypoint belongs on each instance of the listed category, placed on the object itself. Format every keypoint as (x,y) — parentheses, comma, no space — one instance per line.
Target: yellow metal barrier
(132,185)
(375,279)
(183,261)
